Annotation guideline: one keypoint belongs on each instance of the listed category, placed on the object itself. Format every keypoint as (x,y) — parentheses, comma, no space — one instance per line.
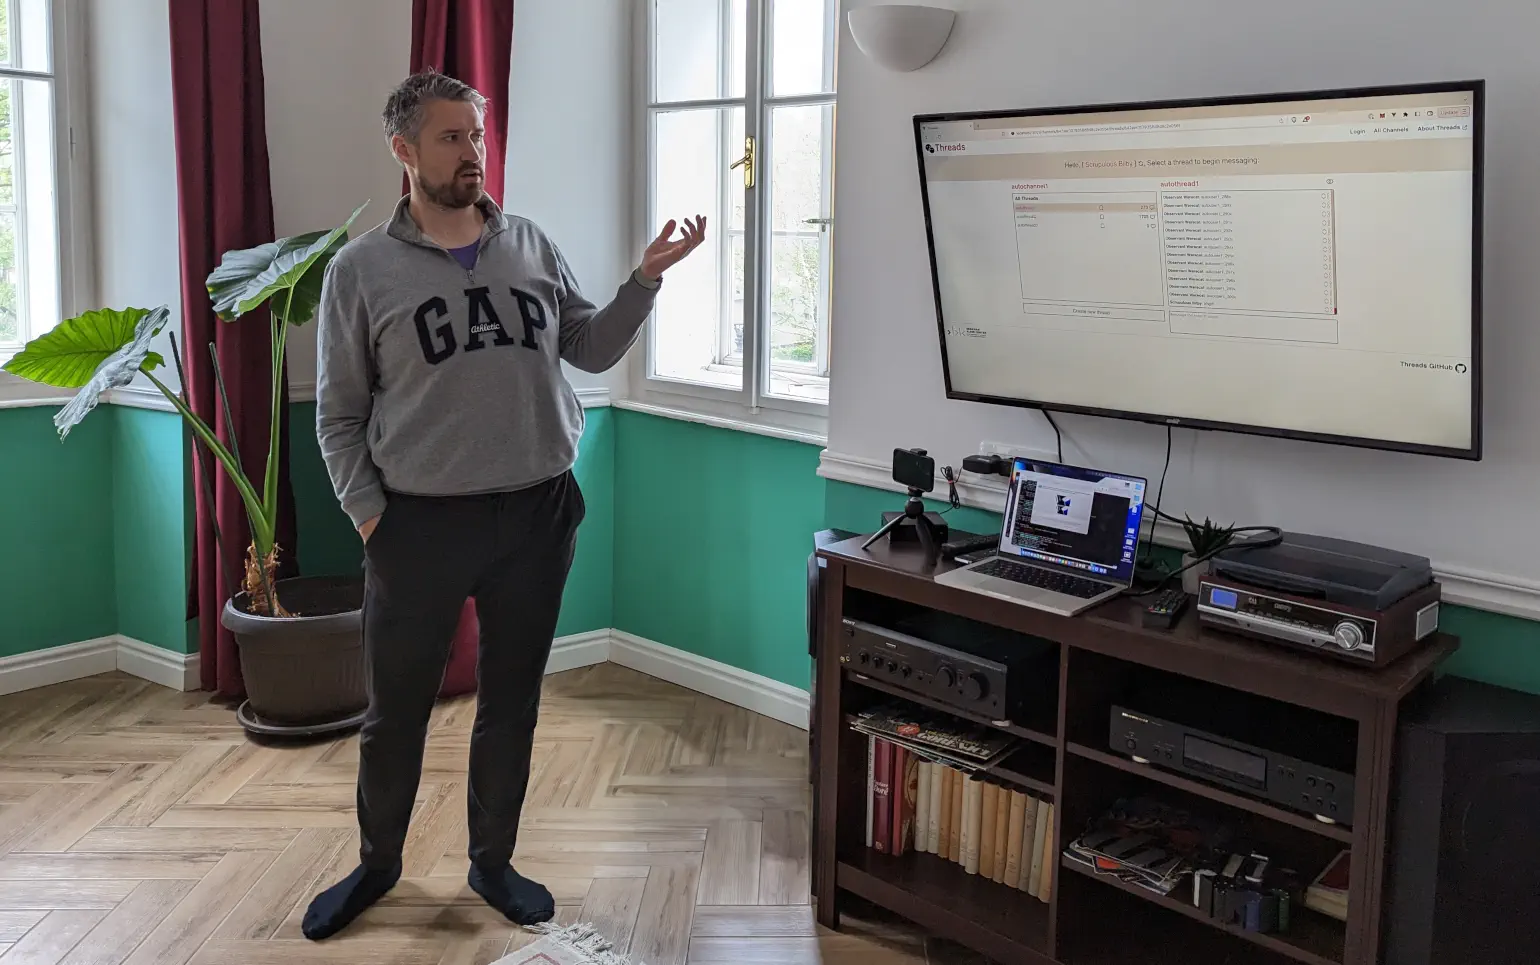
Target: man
(450,433)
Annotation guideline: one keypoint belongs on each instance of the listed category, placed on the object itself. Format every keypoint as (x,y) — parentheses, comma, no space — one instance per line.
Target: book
(905,789)
(1151,844)
(937,787)
(990,808)
(1028,842)
(936,736)
(1002,832)
(882,799)
(1328,893)
(973,810)
(1050,858)
(922,808)
(1011,873)
(1039,851)
(944,826)
(954,834)
(871,764)
(896,802)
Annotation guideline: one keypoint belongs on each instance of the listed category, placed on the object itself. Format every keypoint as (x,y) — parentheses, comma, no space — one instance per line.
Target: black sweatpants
(512,552)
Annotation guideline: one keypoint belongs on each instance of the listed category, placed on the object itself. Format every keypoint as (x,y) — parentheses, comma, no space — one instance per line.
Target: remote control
(1166,609)
(971,544)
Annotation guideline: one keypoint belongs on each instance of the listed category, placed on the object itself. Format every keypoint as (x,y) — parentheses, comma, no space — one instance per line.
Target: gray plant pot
(304,674)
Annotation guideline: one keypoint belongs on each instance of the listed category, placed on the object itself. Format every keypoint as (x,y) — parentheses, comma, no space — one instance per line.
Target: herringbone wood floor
(139,825)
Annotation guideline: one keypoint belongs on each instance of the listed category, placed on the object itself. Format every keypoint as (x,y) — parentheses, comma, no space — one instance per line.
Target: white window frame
(751,407)
(71,183)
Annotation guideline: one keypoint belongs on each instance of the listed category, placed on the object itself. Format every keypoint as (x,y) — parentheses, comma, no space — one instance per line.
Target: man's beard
(454,193)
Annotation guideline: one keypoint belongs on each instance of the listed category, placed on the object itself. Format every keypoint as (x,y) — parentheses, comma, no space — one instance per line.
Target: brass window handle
(746,162)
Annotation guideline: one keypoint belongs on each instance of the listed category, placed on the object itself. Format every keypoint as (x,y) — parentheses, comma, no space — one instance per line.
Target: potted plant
(280,626)
(1206,539)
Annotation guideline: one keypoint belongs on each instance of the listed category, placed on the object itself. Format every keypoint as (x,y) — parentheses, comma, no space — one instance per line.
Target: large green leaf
(94,352)
(246,279)
(78,349)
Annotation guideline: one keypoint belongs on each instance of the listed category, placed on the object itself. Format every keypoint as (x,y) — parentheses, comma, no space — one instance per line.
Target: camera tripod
(914,511)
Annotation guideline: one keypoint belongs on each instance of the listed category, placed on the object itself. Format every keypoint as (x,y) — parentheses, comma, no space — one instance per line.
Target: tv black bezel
(1477,89)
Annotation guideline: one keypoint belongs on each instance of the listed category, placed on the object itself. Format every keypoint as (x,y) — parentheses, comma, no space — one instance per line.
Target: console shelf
(1094,919)
(1334,831)
(1313,938)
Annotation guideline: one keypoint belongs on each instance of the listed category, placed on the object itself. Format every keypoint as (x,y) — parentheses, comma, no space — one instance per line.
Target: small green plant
(1207,537)
(105,348)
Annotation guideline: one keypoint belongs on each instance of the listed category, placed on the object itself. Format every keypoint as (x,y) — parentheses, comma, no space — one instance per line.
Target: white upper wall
(328,68)
(1004,54)
(571,155)
(131,144)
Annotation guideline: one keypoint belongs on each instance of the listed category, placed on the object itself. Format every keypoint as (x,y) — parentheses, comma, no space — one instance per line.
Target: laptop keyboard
(1046,579)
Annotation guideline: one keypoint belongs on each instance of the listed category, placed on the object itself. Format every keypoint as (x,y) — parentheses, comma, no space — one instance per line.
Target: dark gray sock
(521,901)
(336,907)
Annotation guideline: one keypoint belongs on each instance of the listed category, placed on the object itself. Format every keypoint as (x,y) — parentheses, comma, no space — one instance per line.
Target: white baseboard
(177,671)
(56,665)
(729,684)
(579,650)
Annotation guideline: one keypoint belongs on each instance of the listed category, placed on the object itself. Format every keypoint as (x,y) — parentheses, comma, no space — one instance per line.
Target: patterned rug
(572,945)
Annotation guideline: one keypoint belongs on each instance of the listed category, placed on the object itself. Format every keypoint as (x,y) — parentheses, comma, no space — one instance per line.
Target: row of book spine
(991,830)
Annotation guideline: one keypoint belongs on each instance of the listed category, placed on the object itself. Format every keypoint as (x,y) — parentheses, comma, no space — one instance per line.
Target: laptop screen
(1081,520)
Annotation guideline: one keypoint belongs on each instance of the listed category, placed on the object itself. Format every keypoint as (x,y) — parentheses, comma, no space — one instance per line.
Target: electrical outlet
(1009,449)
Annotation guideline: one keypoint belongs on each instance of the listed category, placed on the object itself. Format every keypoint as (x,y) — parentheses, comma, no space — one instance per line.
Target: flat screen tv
(1304,264)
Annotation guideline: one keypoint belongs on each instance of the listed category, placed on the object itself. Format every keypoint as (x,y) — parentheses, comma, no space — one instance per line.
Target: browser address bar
(1147,126)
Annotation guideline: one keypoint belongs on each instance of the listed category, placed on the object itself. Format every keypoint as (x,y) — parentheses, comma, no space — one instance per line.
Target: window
(30,257)
(740,127)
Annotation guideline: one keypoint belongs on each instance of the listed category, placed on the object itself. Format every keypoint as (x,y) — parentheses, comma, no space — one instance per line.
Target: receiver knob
(947,677)
(975,686)
(1348,635)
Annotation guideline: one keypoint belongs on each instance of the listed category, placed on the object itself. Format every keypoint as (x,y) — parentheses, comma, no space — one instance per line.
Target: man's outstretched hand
(666,251)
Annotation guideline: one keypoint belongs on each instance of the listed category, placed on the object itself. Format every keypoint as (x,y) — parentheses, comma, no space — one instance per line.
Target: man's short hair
(404,108)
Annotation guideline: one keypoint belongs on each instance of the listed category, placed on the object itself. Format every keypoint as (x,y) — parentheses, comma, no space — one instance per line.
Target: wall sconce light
(901,36)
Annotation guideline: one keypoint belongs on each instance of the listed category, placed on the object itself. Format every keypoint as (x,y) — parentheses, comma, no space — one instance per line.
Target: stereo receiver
(962,680)
(1284,780)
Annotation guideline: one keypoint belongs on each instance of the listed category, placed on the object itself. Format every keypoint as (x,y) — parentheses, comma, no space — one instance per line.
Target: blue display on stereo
(1224,598)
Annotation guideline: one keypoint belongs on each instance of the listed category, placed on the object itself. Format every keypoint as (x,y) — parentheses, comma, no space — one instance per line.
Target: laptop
(1068,540)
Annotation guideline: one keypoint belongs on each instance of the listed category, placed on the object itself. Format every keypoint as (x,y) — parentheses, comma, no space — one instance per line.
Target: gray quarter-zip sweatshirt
(437,381)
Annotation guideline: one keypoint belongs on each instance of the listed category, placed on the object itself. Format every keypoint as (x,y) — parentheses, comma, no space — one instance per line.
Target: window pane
(7,140)
(698,49)
(801,145)
(10,329)
(26,42)
(699,311)
(803,47)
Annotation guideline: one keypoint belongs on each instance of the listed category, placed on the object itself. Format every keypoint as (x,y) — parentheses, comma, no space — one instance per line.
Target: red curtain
(225,203)
(472,41)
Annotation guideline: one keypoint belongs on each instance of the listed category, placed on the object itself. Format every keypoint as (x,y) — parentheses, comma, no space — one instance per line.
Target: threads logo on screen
(945,148)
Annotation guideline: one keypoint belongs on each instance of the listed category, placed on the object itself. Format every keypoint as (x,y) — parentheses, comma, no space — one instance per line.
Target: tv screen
(1302,265)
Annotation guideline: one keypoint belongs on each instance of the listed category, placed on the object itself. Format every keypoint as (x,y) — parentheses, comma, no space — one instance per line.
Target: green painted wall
(712,534)
(114,559)
(57,579)
(150,526)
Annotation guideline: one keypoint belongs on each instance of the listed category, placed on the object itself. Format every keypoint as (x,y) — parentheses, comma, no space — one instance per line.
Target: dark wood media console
(1091,662)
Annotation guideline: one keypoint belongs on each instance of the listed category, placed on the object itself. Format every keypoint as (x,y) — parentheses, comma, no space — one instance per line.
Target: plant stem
(260,551)
(206,435)
(205,476)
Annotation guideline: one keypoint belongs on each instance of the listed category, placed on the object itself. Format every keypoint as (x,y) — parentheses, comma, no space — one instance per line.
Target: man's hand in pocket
(366,530)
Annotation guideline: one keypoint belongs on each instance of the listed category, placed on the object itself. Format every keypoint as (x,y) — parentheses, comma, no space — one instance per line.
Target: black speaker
(1463,873)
